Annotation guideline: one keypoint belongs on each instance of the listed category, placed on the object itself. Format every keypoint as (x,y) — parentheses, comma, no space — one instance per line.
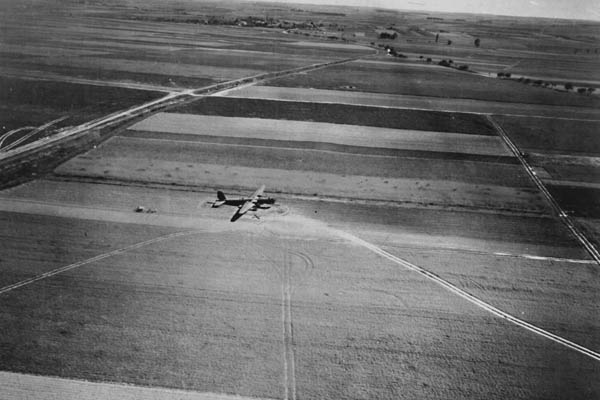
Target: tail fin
(221,196)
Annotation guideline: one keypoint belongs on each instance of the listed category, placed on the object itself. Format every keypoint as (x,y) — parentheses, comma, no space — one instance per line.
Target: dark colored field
(559,135)
(100,74)
(108,319)
(591,228)
(581,201)
(313,161)
(211,322)
(374,151)
(230,59)
(45,242)
(427,81)
(341,114)
(577,173)
(534,231)
(511,284)
(29,102)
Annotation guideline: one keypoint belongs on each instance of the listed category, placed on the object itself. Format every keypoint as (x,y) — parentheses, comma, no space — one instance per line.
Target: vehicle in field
(244,204)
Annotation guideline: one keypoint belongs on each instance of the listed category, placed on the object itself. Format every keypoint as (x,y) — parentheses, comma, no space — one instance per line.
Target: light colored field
(411,102)
(351,135)
(26,387)
(211,321)
(443,193)
(422,227)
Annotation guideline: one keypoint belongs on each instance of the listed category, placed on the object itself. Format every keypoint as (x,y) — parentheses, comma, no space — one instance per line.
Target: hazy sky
(570,9)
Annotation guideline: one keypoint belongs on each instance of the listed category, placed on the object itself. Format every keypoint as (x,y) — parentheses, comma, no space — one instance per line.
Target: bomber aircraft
(244,204)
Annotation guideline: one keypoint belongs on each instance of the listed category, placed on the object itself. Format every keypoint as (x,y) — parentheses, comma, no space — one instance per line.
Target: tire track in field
(99,257)
(289,354)
(469,297)
(289,362)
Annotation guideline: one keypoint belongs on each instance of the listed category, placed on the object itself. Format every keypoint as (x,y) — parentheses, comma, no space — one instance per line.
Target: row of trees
(538,82)
(448,63)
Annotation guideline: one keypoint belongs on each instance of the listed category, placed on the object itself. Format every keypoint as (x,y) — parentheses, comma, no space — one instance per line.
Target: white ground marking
(65,268)
(542,258)
(34,131)
(469,297)
(26,387)
(9,133)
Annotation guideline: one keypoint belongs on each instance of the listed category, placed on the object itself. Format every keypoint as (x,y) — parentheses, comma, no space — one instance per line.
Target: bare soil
(318,132)
(323,96)
(199,313)
(340,114)
(553,135)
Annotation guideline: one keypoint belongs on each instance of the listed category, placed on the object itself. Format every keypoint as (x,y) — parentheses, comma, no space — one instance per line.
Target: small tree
(568,86)
(507,74)
(591,90)
(500,74)
(437,37)
(477,42)
(429,59)
(581,90)
(449,42)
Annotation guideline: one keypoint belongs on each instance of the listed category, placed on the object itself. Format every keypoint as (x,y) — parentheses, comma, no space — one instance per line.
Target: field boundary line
(22,386)
(471,298)
(171,99)
(563,216)
(99,257)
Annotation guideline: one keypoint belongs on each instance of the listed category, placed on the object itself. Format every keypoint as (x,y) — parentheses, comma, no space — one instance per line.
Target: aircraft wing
(258,193)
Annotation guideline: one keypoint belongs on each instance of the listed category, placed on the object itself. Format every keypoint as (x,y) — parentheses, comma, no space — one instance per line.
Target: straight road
(171,99)
(585,242)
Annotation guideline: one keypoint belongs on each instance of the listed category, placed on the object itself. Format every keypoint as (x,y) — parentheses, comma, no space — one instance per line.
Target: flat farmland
(569,168)
(423,80)
(514,285)
(105,77)
(33,103)
(49,242)
(222,58)
(342,134)
(145,67)
(337,112)
(553,135)
(324,97)
(408,253)
(75,43)
(413,180)
(582,201)
(168,315)
(418,227)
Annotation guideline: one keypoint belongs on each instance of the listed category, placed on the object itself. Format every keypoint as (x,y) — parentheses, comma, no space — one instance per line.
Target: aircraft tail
(221,196)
